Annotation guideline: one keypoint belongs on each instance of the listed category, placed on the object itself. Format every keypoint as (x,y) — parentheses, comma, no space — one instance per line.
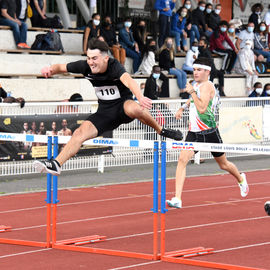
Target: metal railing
(163,111)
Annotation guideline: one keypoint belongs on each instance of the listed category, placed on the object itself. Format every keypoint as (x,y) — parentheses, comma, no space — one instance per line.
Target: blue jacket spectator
(165,8)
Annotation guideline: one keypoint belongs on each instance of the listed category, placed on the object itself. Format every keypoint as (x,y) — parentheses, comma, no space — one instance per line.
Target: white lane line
(126,197)
(241,247)
(24,253)
(134,265)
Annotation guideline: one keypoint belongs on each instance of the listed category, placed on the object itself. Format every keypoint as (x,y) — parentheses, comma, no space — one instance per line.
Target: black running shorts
(110,116)
(209,136)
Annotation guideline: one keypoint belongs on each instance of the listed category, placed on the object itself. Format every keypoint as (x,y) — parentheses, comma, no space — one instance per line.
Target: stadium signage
(7,137)
(183,145)
(105,141)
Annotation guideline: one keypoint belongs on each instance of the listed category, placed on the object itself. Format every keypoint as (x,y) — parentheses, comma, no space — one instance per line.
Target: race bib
(109,92)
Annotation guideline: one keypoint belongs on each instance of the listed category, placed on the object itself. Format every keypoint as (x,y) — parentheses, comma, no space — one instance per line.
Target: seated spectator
(198,17)
(5,98)
(267,17)
(261,41)
(166,62)
(91,30)
(8,17)
(165,8)
(127,41)
(214,20)
(148,61)
(207,13)
(246,34)
(191,29)
(261,66)
(266,90)
(39,12)
(216,46)
(245,64)
(257,90)
(140,35)
(178,28)
(157,85)
(255,17)
(108,32)
(192,54)
(232,36)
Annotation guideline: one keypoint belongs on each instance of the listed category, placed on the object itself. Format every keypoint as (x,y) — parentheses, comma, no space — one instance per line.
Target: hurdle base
(191,252)
(4,228)
(23,242)
(82,240)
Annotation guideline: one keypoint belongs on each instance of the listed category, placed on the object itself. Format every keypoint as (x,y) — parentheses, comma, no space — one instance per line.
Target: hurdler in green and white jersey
(197,121)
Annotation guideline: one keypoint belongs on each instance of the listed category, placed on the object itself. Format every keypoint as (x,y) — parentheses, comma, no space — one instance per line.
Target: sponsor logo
(7,137)
(183,145)
(105,141)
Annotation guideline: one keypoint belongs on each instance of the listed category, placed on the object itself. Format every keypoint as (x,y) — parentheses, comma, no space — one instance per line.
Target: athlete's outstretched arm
(135,89)
(54,69)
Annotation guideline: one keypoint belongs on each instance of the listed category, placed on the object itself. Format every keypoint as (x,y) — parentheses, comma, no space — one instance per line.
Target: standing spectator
(165,8)
(266,90)
(245,65)
(166,62)
(216,46)
(198,17)
(8,17)
(267,17)
(39,12)
(215,73)
(148,60)
(255,17)
(214,20)
(257,90)
(21,9)
(150,6)
(191,56)
(127,41)
(92,30)
(261,40)
(140,35)
(108,32)
(178,28)
(244,35)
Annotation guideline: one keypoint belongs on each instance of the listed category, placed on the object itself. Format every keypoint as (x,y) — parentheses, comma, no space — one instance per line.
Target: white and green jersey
(206,120)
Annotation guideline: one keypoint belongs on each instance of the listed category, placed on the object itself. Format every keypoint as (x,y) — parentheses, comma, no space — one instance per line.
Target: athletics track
(214,216)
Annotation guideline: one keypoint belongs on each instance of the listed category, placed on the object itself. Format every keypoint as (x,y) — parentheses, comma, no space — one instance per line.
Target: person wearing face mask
(127,41)
(257,90)
(92,30)
(165,8)
(255,17)
(245,65)
(214,20)
(166,62)
(216,46)
(178,29)
(108,32)
(140,35)
(207,14)
(266,90)
(148,60)
(191,56)
(267,17)
(261,40)
(232,36)
(198,17)
(244,35)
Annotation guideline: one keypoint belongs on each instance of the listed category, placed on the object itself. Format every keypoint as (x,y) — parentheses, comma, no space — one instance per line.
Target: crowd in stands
(244,48)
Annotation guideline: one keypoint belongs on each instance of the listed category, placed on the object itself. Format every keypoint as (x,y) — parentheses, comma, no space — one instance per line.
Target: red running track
(214,215)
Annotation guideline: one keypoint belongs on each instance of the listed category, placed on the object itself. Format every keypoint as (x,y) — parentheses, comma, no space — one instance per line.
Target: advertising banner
(52,125)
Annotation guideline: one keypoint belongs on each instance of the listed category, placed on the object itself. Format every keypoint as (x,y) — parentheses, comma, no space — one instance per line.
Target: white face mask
(217,11)
(194,48)
(268,92)
(183,14)
(259,91)
(187,6)
(96,22)
(248,46)
(128,24)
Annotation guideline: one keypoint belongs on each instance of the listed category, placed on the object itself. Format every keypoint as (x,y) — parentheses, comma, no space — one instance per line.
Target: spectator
(207,13)
(8,17)
(214,20)
(39,12)
(128,43)
(5,98)
(108,32)
(255,17)
(261,65)
(245,64)
(198,17)
(92,29)
(165,8)
(232,36)
(215,73)
(166,62)
(150,6)
(148,58)
(191,29)
(21,9)
(257,90)
(266,90)
(267,17)
(244,35)
(261,41)
(178,28)
(191,56)
(157,85)
(140,35)
(216,46)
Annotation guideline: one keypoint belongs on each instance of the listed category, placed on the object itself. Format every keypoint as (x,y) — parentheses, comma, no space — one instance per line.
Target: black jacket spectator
(165,61)
(19,10)
(198,19)
(108,32)
(214,20)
